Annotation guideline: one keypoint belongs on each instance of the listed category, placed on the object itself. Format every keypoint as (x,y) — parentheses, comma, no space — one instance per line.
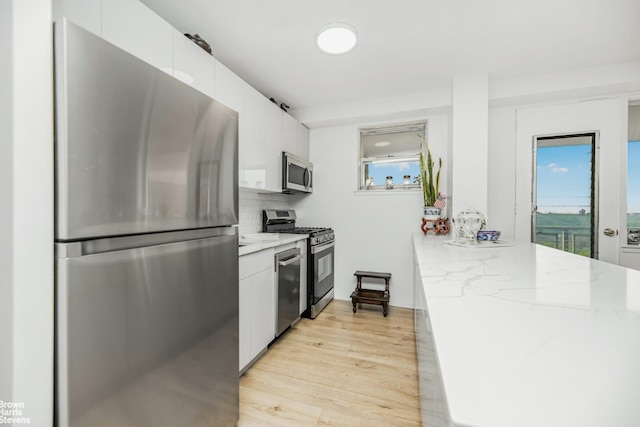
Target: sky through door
(564,197)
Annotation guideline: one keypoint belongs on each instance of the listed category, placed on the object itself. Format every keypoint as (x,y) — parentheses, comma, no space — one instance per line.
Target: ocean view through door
(565,193)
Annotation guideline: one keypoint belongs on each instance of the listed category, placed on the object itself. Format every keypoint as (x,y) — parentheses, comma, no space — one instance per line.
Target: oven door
(322,280)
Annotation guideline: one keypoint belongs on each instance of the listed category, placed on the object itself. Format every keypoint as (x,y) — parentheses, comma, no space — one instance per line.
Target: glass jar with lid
(389,183)
(467,224)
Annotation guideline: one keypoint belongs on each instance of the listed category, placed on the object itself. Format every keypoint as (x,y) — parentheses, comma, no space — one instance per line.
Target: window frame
(631,137)
(365,162)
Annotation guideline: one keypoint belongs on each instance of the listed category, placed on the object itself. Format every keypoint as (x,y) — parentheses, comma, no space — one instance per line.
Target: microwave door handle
(307,178)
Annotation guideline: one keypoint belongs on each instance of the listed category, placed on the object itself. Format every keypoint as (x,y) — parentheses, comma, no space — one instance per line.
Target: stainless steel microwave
(297,174)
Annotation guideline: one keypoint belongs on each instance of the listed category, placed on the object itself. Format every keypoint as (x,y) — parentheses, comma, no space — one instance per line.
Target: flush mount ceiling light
(382,144)
(336,39)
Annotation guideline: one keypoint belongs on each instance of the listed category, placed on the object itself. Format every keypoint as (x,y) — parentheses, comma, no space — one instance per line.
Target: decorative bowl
(488,235)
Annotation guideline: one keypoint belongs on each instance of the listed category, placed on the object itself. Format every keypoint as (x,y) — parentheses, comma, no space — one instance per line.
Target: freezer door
(149,336)
(137,151)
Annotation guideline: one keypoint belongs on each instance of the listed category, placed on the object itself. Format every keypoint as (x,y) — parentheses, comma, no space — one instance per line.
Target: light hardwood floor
(341,369)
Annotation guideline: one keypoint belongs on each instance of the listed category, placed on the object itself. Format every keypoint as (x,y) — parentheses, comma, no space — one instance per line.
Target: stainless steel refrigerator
(146,251)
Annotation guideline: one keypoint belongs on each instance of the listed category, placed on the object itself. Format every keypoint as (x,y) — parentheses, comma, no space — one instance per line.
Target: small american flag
(441,201)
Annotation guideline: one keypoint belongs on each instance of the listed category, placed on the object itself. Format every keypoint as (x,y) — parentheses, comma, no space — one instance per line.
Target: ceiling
(405,46)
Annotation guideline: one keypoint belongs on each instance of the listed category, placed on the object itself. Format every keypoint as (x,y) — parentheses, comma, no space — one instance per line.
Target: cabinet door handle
(610,232)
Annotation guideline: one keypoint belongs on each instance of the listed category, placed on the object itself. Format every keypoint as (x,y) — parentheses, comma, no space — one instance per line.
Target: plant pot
(431,213)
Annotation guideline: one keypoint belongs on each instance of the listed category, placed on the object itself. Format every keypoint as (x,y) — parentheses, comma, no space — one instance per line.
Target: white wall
(6,205)
(370,228)
(26,208)
(502,171)
(603,116)
(251,203)
(373,231)
(470,150)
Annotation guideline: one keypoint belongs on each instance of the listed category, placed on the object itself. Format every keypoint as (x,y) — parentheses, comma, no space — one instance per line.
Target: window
(391,152)
(633,176)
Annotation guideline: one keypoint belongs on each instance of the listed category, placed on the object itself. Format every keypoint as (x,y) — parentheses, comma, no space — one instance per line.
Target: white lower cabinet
(630,257)
(263,315)
(256,305)
(244,324)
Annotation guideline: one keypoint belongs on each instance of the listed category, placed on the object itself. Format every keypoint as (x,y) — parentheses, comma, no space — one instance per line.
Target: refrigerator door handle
(112,244)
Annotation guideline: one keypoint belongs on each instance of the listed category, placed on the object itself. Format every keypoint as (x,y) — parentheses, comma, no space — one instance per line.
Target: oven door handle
(289,261)
(320,248)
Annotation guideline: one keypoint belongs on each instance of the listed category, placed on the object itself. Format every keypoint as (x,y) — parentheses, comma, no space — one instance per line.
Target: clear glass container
(467,224)
(406,180)
(369,183)
(389,183)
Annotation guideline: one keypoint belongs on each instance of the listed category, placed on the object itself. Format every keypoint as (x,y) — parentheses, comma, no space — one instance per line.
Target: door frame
(604,115)
(595,182)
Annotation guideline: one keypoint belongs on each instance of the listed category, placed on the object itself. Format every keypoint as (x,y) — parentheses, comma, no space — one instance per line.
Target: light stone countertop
(532,336)
(283,239)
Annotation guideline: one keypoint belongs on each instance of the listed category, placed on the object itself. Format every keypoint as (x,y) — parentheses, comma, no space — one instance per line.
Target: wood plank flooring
(341,369)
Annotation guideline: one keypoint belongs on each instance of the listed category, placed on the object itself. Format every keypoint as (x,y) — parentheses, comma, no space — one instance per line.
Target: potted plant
(430,185)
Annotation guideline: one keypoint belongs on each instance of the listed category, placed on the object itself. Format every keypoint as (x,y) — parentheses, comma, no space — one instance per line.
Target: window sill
(398,191)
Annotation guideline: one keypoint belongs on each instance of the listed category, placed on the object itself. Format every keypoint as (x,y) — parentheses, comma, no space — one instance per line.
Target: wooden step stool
(371,296)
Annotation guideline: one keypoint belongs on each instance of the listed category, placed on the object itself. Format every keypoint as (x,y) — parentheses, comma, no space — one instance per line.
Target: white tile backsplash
(251,203)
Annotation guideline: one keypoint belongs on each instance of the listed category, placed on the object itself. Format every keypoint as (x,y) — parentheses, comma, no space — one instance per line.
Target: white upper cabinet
(192,65)
(303,141)
(274,146)
(137,29)
(85,13)
(289,134)
(229,88)
(253,152)
(265,130)
(295,137)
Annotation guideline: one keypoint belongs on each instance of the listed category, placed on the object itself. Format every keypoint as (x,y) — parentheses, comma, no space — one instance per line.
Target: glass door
(565,193)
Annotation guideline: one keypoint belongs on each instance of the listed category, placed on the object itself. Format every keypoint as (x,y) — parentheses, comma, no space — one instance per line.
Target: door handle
(610,232)
(320,248)
(307,178)
(289,261)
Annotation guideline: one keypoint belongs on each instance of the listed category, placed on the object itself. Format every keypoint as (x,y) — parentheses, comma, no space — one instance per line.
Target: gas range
(320,257)
(284,221)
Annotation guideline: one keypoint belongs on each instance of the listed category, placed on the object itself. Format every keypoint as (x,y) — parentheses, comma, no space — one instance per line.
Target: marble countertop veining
(532,336)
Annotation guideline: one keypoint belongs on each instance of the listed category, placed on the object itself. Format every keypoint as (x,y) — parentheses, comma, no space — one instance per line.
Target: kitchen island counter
(525,336)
